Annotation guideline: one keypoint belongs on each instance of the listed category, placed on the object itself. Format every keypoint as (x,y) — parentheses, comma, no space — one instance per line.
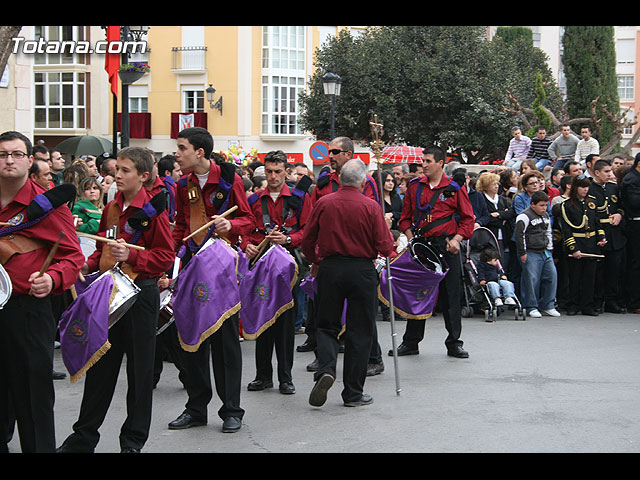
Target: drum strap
(106,258)
(12,244)
(421,211)
(287,211)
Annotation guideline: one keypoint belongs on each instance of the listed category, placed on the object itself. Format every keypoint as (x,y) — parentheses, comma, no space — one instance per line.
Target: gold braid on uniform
(570,242)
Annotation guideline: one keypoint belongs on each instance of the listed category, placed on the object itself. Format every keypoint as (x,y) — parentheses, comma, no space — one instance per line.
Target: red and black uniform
(349,231)
(290,212)
(134,334)
(27,325)
(436,214)
(195,205)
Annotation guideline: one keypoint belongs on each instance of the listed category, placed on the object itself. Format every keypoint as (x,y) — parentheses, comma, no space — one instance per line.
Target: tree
(589,61)
(6,34)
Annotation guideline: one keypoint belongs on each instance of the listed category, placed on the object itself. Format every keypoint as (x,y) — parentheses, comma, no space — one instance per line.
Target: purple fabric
(84,328)
(414,287)
(243,265)
(81,286)
(266,291)
(43,202)
(149,210)
(205,294)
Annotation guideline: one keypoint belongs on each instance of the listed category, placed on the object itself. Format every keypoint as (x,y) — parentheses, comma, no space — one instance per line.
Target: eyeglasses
(336,151)
(17,155)
(530,184)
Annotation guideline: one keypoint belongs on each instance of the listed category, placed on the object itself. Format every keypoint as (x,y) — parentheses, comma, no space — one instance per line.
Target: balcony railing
(186,59)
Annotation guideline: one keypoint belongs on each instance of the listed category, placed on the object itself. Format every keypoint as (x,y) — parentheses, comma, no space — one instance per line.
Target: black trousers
(222,349)
(355,280)
(582,281)
(633,262)
(134,335)
(449,303)
(27,332)
(281,337)
(609,272)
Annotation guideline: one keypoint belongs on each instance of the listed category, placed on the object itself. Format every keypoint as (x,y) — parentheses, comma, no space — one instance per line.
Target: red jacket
(370,188)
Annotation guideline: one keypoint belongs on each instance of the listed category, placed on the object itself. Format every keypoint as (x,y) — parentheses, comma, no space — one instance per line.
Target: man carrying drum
(208,191)
(27,326)
(281,206)
(438,211)
(134,335)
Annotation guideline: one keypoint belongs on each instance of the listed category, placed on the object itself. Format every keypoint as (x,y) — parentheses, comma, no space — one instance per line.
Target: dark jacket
(488,273)
(505,219)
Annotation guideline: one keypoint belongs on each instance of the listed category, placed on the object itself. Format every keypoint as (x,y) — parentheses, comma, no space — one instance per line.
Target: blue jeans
(506,286)
(541,162)
(539,281)
(514,164)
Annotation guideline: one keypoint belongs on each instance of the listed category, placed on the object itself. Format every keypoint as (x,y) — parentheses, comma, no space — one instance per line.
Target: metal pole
(377,147)
(124,135)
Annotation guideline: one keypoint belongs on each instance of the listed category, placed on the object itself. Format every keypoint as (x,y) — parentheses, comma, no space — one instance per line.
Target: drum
(5,287)
(125,295)
(165,316)
(416,272)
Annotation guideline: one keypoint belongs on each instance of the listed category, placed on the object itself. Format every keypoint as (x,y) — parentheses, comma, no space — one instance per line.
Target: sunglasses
(336,151)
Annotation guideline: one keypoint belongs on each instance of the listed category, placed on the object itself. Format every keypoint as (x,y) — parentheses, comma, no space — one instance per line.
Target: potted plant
(131,72)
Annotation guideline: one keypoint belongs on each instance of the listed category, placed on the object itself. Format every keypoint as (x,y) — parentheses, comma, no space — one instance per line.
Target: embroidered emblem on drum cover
(16,220)
(201,292)
(77,331)
(423,293)
(262,292)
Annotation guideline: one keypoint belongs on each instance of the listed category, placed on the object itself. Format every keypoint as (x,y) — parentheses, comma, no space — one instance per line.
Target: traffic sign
(319,153)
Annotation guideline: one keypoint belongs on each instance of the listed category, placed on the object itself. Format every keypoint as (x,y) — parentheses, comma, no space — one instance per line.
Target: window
(193,100)
(60,99)
(625,87)
(283,73)
(68,36)
(626,50)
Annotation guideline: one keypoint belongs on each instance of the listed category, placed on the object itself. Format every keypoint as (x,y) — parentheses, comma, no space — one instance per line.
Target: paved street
(569,384)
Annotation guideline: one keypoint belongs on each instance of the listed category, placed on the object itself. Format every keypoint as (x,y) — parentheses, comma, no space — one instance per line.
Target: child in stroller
(491,274)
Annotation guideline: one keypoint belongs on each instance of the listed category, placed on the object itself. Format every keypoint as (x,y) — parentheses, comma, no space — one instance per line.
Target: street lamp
(331,82)
(211,92)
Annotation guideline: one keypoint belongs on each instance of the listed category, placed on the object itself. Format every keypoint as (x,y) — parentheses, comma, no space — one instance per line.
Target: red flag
(112,60)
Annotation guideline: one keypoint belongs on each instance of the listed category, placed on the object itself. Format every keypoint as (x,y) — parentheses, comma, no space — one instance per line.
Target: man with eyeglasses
(27,326)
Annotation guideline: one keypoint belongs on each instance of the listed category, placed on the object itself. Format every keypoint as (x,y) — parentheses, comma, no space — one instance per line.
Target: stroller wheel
(467,311)
(488,316)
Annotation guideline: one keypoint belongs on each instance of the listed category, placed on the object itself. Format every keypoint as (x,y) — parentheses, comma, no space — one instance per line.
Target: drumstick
(261,246)
(109,240)
(49,259)
(589,255)
(208,224)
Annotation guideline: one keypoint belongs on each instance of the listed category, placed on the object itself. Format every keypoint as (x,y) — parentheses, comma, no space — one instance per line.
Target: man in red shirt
(340,151)
(27,326)
(289,234)
(344,234)
(444,225)
(134,335)
(207,191)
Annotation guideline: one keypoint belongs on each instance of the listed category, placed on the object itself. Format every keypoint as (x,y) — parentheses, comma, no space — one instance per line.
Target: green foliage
(542,118)
(513,35)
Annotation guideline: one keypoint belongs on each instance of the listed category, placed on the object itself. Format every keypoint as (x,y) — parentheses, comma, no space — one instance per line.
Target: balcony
(188,59)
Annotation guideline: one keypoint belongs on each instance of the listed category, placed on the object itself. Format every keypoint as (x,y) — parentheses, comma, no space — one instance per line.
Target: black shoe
(313,366)
(287,388)
(231,424)
(306,347)
(590,313)
(318,394)
(258,385)
(59,375)
(365,399)
(404,350)
(457,352)
(130,450)
(375,369)
(185,421)
(64,448)
(613,308)
(571,313)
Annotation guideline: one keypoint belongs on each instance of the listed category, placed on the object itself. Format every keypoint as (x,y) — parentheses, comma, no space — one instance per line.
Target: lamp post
(331,82)
(211,93)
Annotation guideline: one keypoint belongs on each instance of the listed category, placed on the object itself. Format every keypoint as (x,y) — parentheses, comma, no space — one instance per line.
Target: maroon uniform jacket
(370,189)
(68,258)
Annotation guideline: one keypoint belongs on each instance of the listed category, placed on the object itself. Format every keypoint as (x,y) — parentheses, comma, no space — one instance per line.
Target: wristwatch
(288,240)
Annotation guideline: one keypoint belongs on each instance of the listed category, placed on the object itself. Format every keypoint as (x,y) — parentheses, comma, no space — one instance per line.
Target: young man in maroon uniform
(27,326)
(289,234)
(208,191)
(134,335)
(439,226)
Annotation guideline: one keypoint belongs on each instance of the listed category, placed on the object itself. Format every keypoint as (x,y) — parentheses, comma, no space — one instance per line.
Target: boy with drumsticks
(144,251)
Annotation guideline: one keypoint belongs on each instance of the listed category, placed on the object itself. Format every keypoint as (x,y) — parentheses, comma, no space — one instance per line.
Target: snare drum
(125,296)
(5,287)
(165,316)
(427,255)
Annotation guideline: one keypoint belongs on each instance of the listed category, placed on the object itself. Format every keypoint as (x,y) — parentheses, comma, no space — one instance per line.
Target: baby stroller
(477,296)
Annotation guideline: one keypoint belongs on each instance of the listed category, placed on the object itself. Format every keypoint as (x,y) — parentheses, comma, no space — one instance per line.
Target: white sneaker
(534,313)
(497,302)
(509,301)
(551,312)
